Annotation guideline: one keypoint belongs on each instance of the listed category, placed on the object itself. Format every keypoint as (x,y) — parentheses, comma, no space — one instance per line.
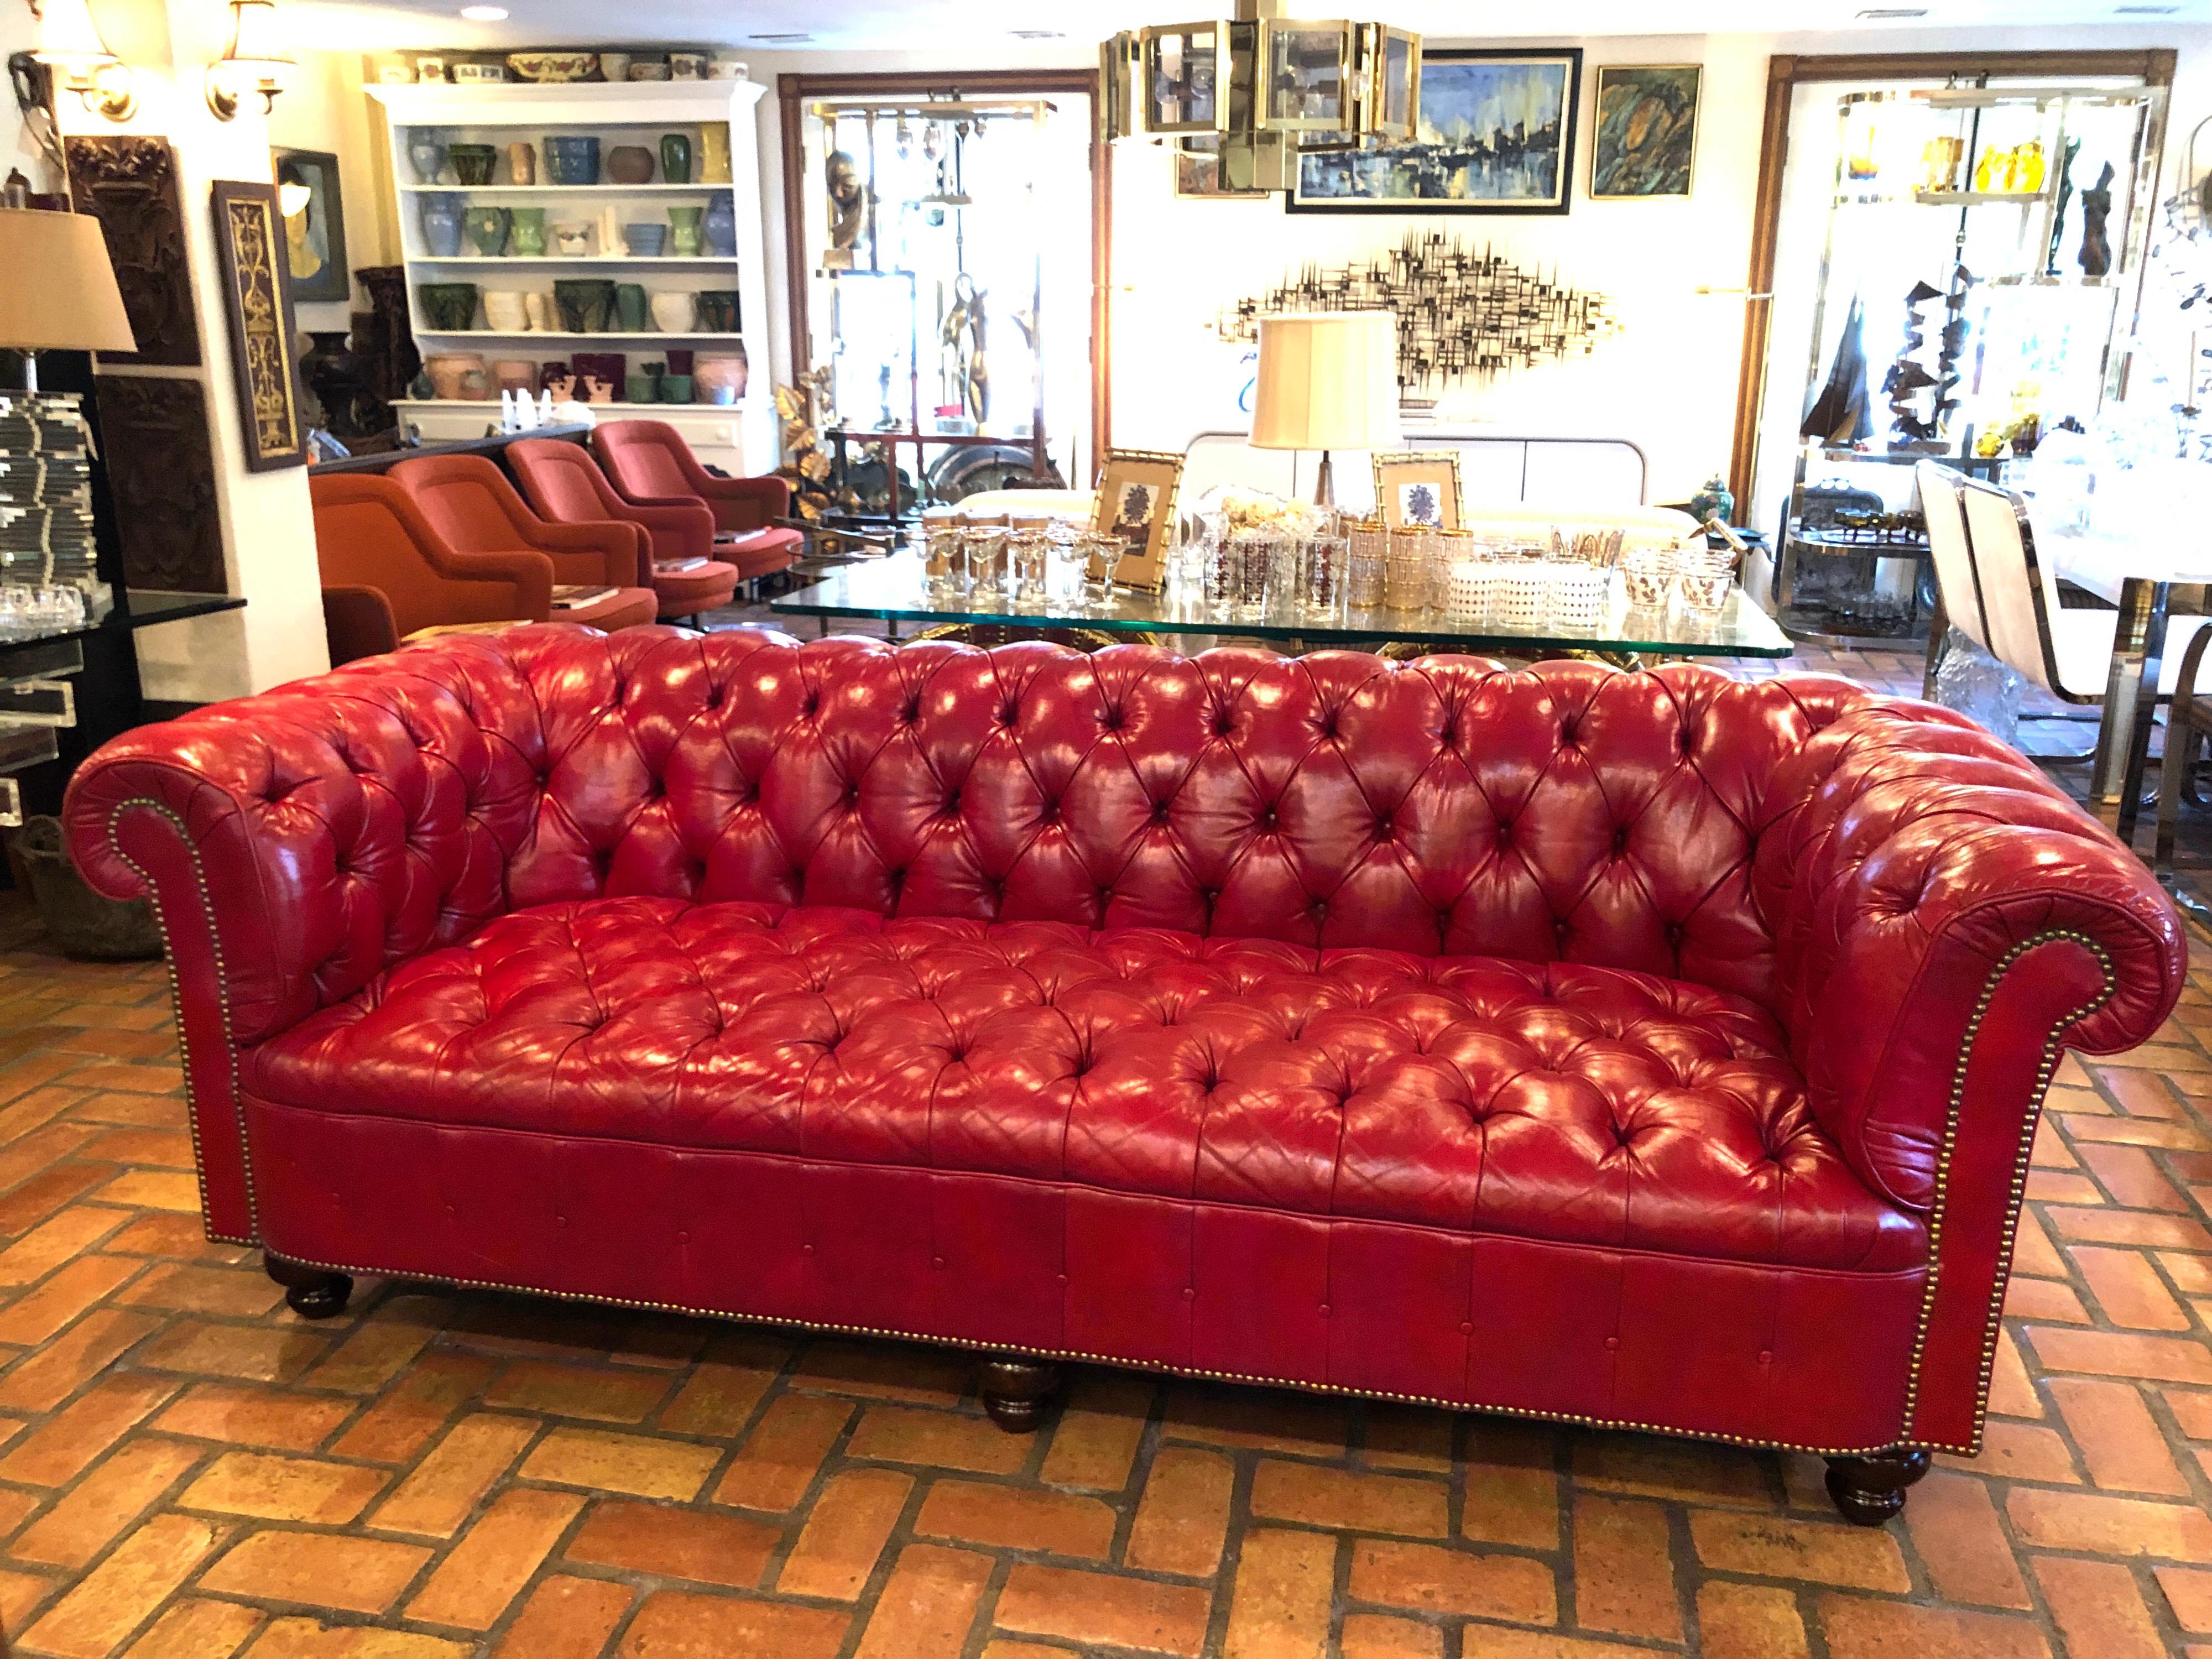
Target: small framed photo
(1197,171)
(1418,487)
(1647,131)
(1136,503)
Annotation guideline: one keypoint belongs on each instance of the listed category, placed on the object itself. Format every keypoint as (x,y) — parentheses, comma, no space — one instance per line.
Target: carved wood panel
(161,472)
(130,185)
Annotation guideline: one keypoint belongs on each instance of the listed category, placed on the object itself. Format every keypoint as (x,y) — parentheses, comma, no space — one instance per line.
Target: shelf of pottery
(602,241)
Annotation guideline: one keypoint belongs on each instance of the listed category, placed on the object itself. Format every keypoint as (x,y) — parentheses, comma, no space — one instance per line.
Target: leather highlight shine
(1613,1046)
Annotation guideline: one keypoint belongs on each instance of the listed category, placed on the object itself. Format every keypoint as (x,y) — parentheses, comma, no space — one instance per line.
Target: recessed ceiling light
(781,39)
(484,14)
(1891,14)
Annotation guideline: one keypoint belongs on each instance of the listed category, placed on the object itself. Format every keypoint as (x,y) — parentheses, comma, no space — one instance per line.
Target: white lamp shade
(1328,380)
(57,289)
(68,36)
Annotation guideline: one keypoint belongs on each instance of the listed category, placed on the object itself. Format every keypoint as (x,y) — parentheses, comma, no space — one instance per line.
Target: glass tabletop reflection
(894,590)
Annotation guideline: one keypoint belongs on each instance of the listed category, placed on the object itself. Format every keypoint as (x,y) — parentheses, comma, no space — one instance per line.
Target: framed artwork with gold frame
(257,294)
(1413,486)
(1136,503)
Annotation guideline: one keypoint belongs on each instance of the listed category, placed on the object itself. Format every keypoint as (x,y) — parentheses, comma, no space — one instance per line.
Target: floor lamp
(1328,381)
(57,289)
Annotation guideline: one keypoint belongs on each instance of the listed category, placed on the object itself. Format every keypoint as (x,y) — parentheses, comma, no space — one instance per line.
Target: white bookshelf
(739,438)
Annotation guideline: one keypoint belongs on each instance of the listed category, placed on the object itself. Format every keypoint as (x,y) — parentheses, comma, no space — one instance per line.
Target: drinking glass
(1520,601)
(1100,556)
(1704,579)
(1257,550)
(1648,573)
(1448,548)
(983,547)
(1577,595)
(1029,551)
(1473,581)
(941,561)
(1366,554)
(1406,574)
(1322,575)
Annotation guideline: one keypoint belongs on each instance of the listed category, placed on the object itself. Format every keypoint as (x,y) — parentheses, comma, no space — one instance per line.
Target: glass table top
(894,590)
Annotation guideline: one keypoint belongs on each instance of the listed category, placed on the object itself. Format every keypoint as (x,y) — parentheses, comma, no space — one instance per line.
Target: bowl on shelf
(553,66)
(585,303)
(629,164)
(687,65)
(643,388)
(515,374)
(676,388)
(448,307)
(645,241)
(720,377)
(717,311)
(474,164)
(648,67)
(571,160)
(458,376)
(572,238)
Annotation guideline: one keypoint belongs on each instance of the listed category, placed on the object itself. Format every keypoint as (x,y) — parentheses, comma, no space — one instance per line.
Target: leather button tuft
(560,1220)
(1190,1293)
(1467,1328)
(1324,1311)
(937,1261)
(1765,1356)
(806,1249)
(682,1238)
(1062,1278)
(1611,1343)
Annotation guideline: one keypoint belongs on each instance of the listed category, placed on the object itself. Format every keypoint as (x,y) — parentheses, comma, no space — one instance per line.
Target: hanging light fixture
(256,62)
(69,42)
(1269,88)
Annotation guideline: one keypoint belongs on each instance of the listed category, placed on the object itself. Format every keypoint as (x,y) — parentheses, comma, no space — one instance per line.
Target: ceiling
(985,30)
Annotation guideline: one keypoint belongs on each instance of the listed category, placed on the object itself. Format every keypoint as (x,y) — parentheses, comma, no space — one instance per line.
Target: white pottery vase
(674,313)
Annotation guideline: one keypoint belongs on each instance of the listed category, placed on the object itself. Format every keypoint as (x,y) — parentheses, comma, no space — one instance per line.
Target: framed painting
(1646,143)
(314,224)
(1136,503)
(1198,172)
(1418,487)
(249,239)
(1496,134)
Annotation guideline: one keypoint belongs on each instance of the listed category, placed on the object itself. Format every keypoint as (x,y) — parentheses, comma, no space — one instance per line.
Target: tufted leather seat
(1657,1049)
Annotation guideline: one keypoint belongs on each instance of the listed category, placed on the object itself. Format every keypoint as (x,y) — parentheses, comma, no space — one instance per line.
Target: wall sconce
(255,61)
(71,44)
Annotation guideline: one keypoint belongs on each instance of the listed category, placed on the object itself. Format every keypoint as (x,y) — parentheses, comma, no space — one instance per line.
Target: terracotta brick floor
(188,1471)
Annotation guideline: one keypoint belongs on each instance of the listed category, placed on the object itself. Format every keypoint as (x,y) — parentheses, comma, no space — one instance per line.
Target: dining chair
(1958,594)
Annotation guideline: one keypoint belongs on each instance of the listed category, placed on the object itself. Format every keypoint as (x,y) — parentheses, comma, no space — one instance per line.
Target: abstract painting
(1463,315)
(1647,131)
(1495,134)
(314,224)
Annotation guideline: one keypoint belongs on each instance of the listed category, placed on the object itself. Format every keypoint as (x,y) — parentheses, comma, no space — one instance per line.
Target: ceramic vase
(643,388)
(515,374)
(441,225)
(572,160)
(488,229)
(585,303)
(676,388)
(676,158)
(525,235)
(645,241)
(572,238)
(522,164)
(629,308)
(508,312)
(719,229)
(721,379)
(448,307)
(539,308)
(458,376)
(607,367)
(684,230)
(473,164)
(714,154)
(614,66)
(673,313)
(631,164)
(426,156)
(717,311)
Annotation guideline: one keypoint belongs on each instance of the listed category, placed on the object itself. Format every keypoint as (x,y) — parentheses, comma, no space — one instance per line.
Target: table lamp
(57,289)
(1328,380)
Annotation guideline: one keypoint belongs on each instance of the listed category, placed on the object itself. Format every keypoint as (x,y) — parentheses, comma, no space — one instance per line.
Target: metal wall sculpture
(1463,315)
(130,185)
(161,472)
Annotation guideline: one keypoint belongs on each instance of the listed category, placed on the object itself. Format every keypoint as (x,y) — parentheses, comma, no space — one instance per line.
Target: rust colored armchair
(469,502)
(387,572)
(564,484)
(649,464)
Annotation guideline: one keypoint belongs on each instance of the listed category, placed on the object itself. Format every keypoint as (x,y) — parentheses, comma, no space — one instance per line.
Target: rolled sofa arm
(1950,923)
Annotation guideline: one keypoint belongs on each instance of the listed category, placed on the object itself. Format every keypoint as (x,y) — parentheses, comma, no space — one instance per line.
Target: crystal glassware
(1259,561)
(1703,579)
(1366,554)
(1468,603)
(1100,556)
(942,563)
(1648,574)
(1406,573)
(1577,595)
(983,548)
(1321,572)
(1447,548)
(1029,552)
(1520,600)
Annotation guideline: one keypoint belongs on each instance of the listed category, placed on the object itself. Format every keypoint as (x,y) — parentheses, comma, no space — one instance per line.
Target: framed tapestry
(161,472)
(1646,138)
(314,224)
(249,239)
(1418,487)
(1496,134)
(130,185)
(1136,502)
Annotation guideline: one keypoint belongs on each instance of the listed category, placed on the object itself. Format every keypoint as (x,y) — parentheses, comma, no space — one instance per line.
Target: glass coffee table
(894,591)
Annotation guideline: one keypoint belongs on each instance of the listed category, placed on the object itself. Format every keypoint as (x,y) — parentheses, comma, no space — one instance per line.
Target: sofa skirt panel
(1809,1357)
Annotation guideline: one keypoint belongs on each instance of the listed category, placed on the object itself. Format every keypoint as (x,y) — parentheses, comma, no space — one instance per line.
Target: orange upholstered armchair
(649,464)
(470,503)
(565,485)
(387,572)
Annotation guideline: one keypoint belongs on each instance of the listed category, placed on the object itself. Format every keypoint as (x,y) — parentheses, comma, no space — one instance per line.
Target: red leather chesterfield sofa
(1654,1050)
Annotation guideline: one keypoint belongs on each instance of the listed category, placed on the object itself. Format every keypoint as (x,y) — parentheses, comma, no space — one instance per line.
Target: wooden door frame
(793,92)
(1785,74)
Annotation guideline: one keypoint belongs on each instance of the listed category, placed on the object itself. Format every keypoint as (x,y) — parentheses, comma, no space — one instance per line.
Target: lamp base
(1325,484)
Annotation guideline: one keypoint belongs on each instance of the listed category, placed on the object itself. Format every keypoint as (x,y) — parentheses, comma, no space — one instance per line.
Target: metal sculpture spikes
(1462,315)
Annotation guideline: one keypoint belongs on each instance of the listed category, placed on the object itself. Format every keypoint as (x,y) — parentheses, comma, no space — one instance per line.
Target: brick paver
(187,1469)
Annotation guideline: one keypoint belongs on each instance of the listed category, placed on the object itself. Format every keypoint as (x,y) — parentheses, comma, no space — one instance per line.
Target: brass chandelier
(1263,89)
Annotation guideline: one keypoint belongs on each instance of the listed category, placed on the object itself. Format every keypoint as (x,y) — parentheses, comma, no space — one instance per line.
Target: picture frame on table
(314,236)
(1136,503)
(249,238)
(1418,487)
(1495,134)
(1644,139)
